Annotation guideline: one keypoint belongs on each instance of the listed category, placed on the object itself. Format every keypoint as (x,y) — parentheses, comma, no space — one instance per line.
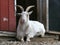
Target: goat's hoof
(22,40)
(28,40)
(42,35)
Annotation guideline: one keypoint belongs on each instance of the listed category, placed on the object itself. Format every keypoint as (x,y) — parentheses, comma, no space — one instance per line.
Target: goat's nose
(22,21)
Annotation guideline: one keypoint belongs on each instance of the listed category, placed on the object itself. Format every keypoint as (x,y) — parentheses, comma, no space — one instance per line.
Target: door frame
(39,10)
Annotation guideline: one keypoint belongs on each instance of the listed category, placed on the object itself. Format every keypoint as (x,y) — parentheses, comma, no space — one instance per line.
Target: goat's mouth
(22,22)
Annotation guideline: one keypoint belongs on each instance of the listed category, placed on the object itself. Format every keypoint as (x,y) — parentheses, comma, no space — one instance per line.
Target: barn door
(7,18)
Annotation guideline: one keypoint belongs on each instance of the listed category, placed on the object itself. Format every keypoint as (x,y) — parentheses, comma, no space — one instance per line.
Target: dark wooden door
(7,17)
(54,15)
(51,15)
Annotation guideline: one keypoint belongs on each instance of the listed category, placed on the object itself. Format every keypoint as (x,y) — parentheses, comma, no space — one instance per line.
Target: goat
(28,27)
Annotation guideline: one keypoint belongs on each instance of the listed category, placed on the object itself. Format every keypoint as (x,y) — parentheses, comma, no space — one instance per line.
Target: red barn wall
(7,17)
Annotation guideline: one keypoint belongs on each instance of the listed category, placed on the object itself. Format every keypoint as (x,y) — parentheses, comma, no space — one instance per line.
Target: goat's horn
(21,7)
(27,9)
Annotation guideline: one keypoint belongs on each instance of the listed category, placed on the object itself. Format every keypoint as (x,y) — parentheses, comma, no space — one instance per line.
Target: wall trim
(47,14)
(5,33)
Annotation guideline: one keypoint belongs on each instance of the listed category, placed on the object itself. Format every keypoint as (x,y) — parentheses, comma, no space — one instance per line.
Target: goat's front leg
(28,39)
(22,39)
(29,36)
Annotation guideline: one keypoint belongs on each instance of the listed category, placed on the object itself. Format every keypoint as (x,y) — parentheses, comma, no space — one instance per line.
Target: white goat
(27,27)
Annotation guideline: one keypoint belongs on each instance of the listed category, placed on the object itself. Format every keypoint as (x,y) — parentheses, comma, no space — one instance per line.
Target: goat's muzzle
(22,21)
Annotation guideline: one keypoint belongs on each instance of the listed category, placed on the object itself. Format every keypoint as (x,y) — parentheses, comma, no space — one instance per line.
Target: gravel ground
(34,41)
(29,43)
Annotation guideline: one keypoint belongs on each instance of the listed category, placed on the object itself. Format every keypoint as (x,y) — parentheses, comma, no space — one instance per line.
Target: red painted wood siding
(7,17)
(12,17)
(4,14)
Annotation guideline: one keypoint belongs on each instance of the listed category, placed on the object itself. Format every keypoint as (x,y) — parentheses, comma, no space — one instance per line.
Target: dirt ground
(34,41)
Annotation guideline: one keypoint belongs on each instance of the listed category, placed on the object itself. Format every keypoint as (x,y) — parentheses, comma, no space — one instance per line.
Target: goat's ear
(30,12)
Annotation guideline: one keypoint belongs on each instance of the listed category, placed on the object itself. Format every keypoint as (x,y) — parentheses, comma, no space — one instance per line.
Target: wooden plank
(12,17)
(44,20)
(53,32)
(4,15)
(5,33)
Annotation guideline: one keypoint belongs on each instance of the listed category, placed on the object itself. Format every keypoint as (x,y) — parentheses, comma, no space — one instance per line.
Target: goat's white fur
(29,28)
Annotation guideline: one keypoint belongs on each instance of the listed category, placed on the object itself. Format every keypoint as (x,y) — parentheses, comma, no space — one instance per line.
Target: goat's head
(24,14)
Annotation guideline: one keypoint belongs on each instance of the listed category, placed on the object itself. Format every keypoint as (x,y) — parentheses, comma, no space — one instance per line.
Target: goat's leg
(42,35)
(28,39)
(22,39)
(30,35)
